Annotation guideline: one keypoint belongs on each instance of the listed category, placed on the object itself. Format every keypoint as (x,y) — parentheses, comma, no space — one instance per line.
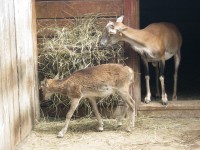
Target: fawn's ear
(44,83)
(120,19)
(56,77)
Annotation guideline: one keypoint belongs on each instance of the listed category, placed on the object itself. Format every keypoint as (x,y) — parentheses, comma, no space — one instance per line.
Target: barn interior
(186,16)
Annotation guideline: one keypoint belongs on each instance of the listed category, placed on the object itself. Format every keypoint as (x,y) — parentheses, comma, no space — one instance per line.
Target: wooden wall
(19,104)
(64,11)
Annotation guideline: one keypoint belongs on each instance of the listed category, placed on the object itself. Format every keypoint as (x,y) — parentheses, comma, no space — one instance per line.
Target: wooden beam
(70,9)
(131,18)
(182,109)
(173,105)
(36,103)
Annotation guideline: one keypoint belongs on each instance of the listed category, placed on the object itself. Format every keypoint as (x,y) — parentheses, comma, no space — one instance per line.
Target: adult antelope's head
(113,32)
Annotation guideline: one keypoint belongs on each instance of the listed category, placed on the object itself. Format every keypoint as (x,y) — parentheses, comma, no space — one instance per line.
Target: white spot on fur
(168,55)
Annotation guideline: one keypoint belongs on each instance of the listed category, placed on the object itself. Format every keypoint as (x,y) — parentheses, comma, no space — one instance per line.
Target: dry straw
(66,49)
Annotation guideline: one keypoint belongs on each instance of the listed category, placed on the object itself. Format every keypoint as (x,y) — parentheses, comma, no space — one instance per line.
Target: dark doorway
(186,16)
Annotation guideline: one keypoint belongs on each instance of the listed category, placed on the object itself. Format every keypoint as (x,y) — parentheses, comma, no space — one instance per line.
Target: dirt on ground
(148,134)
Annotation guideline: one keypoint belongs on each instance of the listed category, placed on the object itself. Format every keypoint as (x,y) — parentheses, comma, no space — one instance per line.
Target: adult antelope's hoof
(147,100)
(174,98)
(165,100)
(165,104)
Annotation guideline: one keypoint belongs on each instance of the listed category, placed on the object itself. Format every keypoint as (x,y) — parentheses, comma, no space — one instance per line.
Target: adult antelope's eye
(112,27)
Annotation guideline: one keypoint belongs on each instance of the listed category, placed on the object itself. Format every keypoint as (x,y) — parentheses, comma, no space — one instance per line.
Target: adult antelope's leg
(157,81)
(96,112)
(147,78)
(162,81)
(177,59)
(73,106)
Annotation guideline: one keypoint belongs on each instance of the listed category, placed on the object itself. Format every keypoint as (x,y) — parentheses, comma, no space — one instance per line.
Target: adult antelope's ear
(120,19)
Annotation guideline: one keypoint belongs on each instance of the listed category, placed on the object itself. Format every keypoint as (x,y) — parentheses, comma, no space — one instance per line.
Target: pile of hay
(71,48)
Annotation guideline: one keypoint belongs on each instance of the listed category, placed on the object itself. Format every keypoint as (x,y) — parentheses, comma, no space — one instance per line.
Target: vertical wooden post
(25,35)
(36,113)
(131,18)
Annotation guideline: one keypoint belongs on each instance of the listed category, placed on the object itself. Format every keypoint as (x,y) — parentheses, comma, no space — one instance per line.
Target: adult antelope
(155,43)
(98,81)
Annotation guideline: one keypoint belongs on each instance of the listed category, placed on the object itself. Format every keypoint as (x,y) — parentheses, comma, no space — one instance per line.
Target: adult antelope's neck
(131,36)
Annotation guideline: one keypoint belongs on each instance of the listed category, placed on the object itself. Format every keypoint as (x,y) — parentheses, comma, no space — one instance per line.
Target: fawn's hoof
(60,135)
(119,124)
(128,129)
(100,128)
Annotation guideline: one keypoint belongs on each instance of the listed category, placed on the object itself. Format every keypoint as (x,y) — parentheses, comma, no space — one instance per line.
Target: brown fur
(155,43)
(98,81)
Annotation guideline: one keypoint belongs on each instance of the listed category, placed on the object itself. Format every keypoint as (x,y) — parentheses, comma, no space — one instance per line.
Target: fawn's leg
(73,106)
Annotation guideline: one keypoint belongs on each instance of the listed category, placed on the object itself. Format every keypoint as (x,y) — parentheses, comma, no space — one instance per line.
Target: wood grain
(71,9)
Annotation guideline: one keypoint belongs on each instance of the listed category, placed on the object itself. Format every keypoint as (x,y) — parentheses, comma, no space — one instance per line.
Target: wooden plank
(70,9)
(5,134)
(12,80)
(174,109)
(173,105)
(131,18)
(171,113)
(2,125)
(23,17)
(1,95)
(35,99)
(2,121)
(42,23)
(9,94)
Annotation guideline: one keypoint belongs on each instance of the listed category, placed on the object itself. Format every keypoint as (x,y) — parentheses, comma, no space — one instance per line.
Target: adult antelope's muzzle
(103,42)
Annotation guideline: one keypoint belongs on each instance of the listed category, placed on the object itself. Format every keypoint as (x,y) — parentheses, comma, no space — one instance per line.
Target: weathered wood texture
(131,13)
(62,13)
(35,61)
(174,109)
(18,93)
(71,9)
